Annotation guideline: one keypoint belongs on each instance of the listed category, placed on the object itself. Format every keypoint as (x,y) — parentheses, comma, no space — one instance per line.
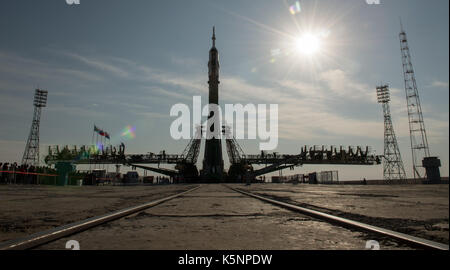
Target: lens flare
(294,9)
(275,52)
(128,133)
(99,146)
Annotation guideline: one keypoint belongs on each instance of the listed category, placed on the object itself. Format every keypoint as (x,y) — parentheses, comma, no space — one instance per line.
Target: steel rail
(47,236)
(416,241)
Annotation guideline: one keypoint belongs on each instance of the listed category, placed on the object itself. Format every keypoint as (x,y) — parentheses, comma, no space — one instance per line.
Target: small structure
(64,169)
(431,165)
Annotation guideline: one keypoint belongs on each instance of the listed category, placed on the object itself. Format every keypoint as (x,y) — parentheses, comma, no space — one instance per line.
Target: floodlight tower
(418,135)
(31,154)
(393,168)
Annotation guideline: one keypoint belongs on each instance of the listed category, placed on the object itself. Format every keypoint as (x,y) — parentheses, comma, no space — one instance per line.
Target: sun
(308,44)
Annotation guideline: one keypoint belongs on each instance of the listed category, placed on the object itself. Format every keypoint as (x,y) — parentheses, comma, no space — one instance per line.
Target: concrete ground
(420,210)
(29,209)
(215,217)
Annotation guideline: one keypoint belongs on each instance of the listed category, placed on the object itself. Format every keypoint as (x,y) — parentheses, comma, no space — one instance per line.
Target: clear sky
(117,63)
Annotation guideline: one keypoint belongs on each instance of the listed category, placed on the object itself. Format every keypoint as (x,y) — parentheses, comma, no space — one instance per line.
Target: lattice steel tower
(419,141)
(31,154)
(393,168)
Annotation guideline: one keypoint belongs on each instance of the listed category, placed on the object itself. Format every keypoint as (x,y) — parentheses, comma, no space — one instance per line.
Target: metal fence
(324,177)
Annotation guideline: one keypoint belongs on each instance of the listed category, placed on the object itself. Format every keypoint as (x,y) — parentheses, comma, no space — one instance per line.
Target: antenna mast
(419,141)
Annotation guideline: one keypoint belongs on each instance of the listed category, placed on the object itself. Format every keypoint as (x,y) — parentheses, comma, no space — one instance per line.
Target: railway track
(408,239)
(45,237)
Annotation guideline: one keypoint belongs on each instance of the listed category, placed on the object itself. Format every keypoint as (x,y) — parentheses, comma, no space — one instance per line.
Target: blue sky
(118,63)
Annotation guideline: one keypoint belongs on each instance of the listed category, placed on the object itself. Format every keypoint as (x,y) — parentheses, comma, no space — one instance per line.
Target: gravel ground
(420,210)
(29,209)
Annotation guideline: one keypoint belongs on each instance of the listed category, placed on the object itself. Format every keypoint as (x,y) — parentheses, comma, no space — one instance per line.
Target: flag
(102,133)
(107,136)
(96,129)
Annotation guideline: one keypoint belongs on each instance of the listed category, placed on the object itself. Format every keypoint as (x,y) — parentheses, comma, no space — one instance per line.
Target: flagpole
(102,138)
(96,150)
(109,144)
(90,147)
(93,134)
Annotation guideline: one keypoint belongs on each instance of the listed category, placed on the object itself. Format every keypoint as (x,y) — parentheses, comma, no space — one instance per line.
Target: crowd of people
(13,173)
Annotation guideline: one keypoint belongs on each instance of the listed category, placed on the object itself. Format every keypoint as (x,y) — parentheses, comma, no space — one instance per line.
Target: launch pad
(241,165)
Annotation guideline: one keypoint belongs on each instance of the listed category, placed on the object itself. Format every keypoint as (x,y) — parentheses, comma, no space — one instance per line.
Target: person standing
(6,173)
(13,169)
